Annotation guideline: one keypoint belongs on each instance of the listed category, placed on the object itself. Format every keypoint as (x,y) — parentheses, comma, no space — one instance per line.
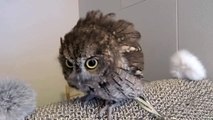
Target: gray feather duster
(17,99)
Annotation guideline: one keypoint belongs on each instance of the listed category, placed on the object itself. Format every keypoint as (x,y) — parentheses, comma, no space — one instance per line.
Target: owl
(102,57)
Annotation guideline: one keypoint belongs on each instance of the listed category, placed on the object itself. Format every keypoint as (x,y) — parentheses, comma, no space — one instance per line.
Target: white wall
(155,19)
(29,40)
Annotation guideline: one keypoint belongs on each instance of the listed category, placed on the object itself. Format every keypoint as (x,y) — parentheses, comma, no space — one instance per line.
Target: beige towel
(174,99)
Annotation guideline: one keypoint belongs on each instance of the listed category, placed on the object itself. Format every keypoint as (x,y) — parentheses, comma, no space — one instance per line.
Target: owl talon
(103,110)
(109,105)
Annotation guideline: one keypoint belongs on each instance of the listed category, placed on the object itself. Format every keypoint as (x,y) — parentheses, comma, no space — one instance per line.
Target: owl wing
(134,56)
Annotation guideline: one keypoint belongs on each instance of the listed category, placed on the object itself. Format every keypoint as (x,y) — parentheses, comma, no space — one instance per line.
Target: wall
(29,41)
(155,19)
(196,30)
(165,28)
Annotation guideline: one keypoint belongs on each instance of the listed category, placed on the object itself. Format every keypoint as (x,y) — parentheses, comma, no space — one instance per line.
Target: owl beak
(78,69)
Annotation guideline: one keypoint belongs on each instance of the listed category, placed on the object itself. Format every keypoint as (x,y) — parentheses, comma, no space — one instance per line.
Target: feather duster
(185,65)
(17,99)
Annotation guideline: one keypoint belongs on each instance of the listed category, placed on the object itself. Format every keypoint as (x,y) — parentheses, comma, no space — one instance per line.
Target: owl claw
(109,105)
(103,110)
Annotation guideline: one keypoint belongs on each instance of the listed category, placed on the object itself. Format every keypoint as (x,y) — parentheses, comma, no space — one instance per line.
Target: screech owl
(101,56)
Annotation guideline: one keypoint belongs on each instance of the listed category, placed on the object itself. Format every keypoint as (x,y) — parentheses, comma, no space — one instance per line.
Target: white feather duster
(185,65)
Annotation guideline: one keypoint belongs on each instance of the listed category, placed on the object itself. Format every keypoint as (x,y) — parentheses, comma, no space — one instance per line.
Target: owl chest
(115,87)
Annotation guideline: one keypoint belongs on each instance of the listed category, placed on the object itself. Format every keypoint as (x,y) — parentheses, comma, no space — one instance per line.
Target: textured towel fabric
(174,99)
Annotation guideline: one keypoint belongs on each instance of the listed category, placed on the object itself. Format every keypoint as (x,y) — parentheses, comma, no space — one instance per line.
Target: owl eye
(69,64)
(91,63)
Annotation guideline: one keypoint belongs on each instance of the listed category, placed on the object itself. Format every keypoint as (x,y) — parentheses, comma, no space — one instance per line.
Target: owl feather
(101,56)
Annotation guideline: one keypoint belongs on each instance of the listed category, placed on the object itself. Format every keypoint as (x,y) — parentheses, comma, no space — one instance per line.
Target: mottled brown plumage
(101,56)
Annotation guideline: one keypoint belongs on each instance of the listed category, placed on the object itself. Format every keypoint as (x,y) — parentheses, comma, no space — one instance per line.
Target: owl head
(96,47)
